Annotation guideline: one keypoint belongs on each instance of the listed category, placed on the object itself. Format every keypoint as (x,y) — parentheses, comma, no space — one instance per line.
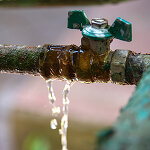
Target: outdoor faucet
(98,35)
(93,61)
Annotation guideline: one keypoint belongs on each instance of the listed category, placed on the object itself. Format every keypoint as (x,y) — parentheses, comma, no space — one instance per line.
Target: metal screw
(99,23)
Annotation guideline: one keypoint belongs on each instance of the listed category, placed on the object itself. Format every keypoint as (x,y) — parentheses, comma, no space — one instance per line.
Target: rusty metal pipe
(20,59)
(74,63)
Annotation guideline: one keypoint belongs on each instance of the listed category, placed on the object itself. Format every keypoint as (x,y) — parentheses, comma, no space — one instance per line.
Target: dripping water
(64,119)
(52,100)
(56,111)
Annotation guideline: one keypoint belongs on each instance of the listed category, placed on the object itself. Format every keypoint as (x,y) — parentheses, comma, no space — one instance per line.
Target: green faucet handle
(99,29)
(77,19)
(121,29)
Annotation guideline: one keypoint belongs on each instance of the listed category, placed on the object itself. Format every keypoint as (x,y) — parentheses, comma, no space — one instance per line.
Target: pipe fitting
(118,66)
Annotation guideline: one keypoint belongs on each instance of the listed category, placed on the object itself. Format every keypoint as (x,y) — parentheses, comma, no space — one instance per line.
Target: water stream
(56,111)
(52,100)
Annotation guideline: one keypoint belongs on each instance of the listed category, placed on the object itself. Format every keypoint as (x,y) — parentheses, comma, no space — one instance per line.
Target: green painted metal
(77,19)
(96,34)
(121,29)
(131,131)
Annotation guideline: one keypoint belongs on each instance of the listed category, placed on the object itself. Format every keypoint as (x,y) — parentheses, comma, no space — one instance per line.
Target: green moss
(20,59)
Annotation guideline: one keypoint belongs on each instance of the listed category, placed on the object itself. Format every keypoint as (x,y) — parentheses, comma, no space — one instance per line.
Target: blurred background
(25,111)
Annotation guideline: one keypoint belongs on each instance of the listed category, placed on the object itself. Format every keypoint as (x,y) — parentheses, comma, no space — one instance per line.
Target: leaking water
(53,124)
(68,62)
(64,119)
(52,99)
(56,111)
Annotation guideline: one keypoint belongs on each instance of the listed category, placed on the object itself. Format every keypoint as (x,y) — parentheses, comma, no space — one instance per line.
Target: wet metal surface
(99,103)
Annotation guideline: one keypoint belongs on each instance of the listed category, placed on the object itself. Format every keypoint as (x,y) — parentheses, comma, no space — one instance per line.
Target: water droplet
(55,111)
(60,131)
(53,124)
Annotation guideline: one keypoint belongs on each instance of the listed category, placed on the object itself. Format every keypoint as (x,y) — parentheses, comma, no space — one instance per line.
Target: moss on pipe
(20,59)
(70,62)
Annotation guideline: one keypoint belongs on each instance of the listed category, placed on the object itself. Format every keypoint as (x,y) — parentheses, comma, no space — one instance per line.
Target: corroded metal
(131,131)
(118,64)
(20,59)
(135,66)
(74,63)
(70,62)
(100,46)
(97,46)
(58,62)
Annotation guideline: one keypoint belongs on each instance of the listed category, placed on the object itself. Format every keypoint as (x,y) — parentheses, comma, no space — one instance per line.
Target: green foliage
(22,3)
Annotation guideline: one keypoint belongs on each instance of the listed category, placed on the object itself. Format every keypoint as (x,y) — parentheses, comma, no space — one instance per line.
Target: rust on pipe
(70,62)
